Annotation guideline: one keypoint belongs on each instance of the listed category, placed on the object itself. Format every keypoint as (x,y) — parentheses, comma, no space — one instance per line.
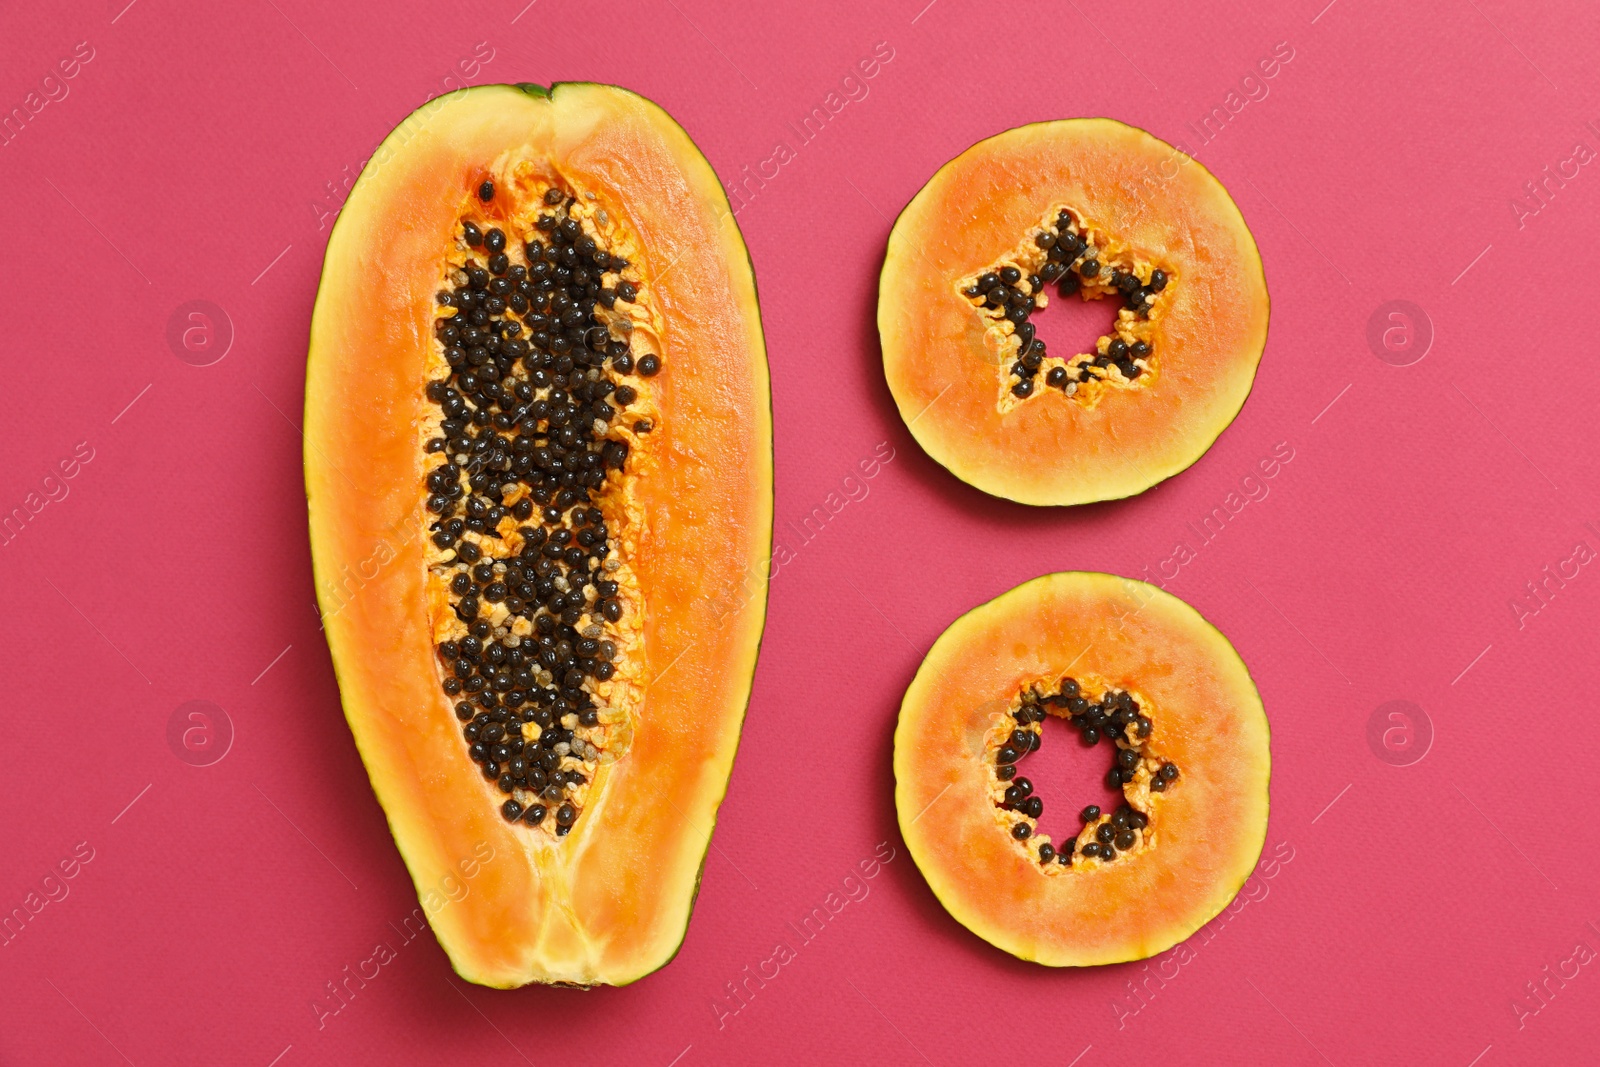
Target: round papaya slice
(1094,210)
(538,461)
(1140,675)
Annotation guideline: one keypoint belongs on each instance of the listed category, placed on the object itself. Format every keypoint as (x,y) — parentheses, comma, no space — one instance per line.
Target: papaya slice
(1097,210)
(538,463)
(1132,668)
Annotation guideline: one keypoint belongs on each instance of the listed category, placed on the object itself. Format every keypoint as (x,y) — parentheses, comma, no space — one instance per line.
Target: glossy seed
(531,391)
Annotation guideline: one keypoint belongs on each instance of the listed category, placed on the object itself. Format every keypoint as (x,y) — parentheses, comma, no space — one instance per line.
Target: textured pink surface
(198,153)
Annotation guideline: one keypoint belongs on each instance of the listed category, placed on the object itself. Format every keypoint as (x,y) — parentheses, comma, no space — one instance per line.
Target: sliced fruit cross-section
(1127,665)
(538,461)
(1093,209)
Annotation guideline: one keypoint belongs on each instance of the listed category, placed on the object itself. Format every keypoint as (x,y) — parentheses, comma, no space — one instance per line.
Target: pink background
(191,159)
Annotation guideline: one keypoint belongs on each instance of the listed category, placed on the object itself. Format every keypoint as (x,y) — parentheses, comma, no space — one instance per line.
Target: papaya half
(1094,209)
(1127,665)
(538,462)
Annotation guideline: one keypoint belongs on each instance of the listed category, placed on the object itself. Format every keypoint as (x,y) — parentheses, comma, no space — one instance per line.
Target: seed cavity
(527,459)
(1069,254)
(1114,716)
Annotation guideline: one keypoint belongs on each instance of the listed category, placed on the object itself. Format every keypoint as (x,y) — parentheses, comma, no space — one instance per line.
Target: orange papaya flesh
(539,475)
(1086,209)
(1135,670)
